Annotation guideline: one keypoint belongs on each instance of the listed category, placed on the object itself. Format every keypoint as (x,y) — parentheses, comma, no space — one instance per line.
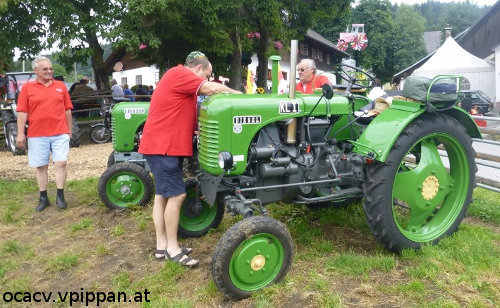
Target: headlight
(225,160)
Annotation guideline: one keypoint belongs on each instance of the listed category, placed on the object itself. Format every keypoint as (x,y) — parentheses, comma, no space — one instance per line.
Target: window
(317,54)
(304,49)
(327,59)
(124,80)
(465,85)
(138,79)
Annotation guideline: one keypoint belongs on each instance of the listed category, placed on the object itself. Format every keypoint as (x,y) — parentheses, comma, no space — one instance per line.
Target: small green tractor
(412,164)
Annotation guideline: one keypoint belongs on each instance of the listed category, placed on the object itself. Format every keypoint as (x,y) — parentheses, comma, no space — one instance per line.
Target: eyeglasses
(302,69)
(47,69)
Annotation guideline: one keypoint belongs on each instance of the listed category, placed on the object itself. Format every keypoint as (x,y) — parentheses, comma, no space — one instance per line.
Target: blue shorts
(167,171)
(39,149)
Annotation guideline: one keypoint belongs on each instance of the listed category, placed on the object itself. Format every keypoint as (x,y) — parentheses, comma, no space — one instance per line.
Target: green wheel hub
(256,262)
(193,218)
(427,197)
(125,188)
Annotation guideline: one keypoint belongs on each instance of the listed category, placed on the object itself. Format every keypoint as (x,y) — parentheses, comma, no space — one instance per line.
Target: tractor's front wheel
(251,255)
(125,184)
(418,195)
(197,218)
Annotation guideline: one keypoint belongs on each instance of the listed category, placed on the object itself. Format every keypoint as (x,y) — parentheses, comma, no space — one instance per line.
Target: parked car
(476,98)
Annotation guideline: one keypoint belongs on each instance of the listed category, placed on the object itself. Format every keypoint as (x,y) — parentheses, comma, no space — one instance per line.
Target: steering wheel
(354,76)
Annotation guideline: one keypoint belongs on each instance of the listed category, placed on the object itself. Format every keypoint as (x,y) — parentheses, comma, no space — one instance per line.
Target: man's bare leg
(42,177)
(61,174)
(159,206)
(172,213)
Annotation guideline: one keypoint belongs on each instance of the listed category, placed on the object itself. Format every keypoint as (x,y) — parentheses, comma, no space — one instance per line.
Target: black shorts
(167,171)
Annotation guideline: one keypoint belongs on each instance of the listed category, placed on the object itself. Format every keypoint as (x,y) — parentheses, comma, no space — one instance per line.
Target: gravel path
(88,160)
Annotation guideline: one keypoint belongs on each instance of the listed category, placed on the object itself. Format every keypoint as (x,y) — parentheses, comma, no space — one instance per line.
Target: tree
(77,28)
(379,28)
(168,30)
(408,44)
(288,19)
(330,27)
(17,17)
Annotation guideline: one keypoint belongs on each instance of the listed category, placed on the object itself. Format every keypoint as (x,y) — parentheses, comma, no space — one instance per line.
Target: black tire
(193,223)
(100,134)
(111,159)
(10,136)
(74,142)
(406,204)
(125,184)
(258,244)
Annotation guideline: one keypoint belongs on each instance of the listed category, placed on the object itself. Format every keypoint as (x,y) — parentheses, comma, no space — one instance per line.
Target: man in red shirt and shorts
(46,104)
(308,78)
(167,139)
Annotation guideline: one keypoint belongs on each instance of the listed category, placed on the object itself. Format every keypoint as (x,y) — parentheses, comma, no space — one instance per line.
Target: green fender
(379,136)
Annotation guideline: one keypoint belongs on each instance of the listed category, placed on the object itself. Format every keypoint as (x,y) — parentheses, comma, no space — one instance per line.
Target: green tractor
(412,164)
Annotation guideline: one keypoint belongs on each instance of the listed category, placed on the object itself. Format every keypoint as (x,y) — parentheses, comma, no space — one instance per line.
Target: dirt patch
(88,160)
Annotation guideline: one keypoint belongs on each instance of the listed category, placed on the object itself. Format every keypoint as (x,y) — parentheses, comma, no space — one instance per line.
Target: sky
(477,2)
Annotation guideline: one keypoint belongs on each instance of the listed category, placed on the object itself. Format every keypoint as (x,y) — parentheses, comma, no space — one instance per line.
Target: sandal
(185,250)
(160,252)
(184,262)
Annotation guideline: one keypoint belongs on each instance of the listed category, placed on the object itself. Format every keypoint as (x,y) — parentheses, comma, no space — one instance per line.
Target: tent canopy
(450,58)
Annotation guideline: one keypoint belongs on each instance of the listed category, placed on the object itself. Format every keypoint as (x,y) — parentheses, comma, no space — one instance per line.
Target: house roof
(313,35)
(432,40)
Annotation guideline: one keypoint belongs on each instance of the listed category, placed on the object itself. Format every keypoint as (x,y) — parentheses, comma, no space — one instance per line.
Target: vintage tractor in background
(10,86)
(413,164)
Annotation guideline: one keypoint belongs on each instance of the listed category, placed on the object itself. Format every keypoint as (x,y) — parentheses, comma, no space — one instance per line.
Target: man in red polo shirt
(308,78)
(46,104)
(167,139)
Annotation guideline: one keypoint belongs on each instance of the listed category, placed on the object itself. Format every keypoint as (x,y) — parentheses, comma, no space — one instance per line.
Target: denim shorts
(39,149)
(167,171)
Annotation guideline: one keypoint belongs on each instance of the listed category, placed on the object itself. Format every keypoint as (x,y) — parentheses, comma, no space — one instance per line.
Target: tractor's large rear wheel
(74,142)
(197,219)
(419,196)
(10,136)
(251,255)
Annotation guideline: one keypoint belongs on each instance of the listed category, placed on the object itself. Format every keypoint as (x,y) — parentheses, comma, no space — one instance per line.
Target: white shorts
(39,149)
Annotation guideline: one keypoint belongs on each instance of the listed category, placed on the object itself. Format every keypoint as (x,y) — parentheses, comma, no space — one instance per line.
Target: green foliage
(380,29)
(484,207)
(102,250)
(86,223)
(410,44)
(354,264)
(118,230)
(62,262)
(17,17)
(458,15)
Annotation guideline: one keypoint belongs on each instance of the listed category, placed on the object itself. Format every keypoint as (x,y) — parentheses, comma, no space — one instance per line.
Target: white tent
(450,58)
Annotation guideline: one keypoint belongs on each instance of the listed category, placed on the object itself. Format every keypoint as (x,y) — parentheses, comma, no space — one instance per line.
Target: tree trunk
(100,73)
(235,72)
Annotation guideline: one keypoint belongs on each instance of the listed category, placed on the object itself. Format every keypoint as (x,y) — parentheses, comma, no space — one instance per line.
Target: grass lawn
(337,262)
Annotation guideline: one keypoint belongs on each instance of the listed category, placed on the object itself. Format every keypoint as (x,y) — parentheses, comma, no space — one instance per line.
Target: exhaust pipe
(291,132)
